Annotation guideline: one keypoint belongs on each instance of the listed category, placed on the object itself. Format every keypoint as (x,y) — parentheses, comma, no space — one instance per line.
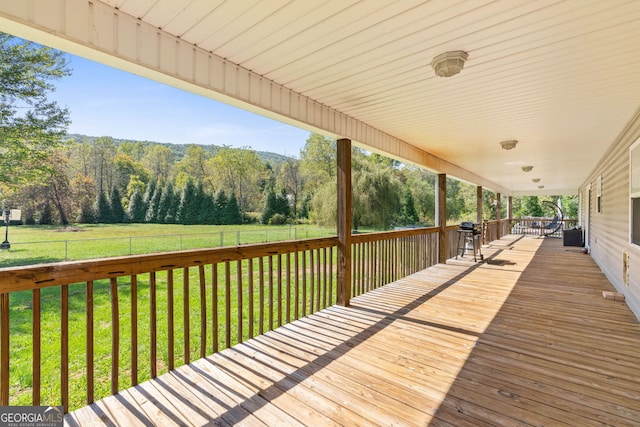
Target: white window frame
(599,195)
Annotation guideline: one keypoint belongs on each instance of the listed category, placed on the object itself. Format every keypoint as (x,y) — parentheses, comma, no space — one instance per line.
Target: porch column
(441,217)
(510,208)
(344,221)
(479,204)
(479,219)
(498,214)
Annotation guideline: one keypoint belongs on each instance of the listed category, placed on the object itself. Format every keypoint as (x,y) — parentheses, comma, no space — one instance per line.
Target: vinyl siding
(609,230)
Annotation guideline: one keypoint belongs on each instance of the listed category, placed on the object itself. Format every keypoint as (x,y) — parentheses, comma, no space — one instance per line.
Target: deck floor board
(522,338)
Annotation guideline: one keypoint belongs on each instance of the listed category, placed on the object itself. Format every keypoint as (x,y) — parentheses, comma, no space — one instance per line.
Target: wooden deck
(523,338)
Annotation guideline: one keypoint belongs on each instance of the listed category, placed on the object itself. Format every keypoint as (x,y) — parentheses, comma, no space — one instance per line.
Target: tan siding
(609,230)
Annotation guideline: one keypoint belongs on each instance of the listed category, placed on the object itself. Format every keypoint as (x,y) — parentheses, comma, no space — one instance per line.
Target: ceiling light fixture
(527,168)
(508,145)
(541,186)
(535,179)
(449,63)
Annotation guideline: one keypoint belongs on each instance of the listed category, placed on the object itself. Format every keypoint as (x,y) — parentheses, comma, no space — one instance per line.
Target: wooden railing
(381,258)
(74,332)
(536,226)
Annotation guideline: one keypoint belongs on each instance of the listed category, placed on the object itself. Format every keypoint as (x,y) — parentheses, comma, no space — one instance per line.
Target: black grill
(470,226)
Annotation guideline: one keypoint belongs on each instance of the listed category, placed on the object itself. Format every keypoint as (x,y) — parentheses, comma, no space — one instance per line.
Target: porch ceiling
(561,77)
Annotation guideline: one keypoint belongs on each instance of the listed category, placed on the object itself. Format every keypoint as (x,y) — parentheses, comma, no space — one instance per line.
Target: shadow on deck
(524,338)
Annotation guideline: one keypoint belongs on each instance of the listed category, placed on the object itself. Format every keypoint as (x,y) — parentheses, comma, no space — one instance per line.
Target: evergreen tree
(103,209)
(232,212)
(137,209)
(153,207)
(118,215)
(282,204)
(220,207)
(186,210)
(166,204)
(270,206)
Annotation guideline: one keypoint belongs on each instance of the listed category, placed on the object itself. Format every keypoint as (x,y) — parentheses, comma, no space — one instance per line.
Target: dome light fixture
(535,179)
(449,63)
(527,168)
(508,145)
(541,186)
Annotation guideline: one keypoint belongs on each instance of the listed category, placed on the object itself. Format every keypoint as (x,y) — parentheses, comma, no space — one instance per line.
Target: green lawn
(44,244)
(94,240)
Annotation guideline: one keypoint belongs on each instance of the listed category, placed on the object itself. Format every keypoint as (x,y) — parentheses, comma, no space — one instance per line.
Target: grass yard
(266,293)
(45,244)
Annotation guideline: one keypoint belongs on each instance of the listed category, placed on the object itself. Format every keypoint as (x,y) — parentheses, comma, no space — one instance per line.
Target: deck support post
(510,211)
(344,221)
(479,211)
(441,217)
(498,215)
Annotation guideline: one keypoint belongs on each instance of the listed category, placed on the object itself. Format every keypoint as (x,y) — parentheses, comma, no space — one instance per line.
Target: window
(599,195)
(634,192)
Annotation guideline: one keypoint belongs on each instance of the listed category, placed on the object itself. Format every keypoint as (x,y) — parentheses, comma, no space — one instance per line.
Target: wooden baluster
(312,282)
(325,281)
(270,273)
(170,319)
(331,299)
(214,307)
(203,311)
(227,303)
(37,347)
(318,280)
(134,330)
(304,283)
(261,308)
(279,290)
(288,298)
(89,340)
(115,336)
(239,302)
(296,297)
(186,316)
(153,325)
(250,292)
(4,350)
(64,346)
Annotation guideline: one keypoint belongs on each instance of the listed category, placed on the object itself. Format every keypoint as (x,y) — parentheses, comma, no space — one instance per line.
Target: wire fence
(26,253)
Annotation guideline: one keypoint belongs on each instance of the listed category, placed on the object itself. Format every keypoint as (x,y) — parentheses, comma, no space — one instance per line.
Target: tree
(118,214)
(159,161)
(137,209)
(104,152)
(291,180)
(31,125)
(270,206)
(409,215)
(239,171)
(188,209)
(318,159)
(194,165)
(232,214)
(103,209)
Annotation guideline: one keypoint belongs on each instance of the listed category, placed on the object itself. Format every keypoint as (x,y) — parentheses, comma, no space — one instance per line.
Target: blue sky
(104,101)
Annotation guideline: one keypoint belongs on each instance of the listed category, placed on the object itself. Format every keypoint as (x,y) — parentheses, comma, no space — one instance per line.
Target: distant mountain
(274,159)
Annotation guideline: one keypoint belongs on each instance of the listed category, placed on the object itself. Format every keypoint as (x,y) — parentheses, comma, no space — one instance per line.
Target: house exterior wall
(609,229)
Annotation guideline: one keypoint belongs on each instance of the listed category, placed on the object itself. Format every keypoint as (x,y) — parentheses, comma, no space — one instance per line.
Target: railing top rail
(45,275)
(393,234)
